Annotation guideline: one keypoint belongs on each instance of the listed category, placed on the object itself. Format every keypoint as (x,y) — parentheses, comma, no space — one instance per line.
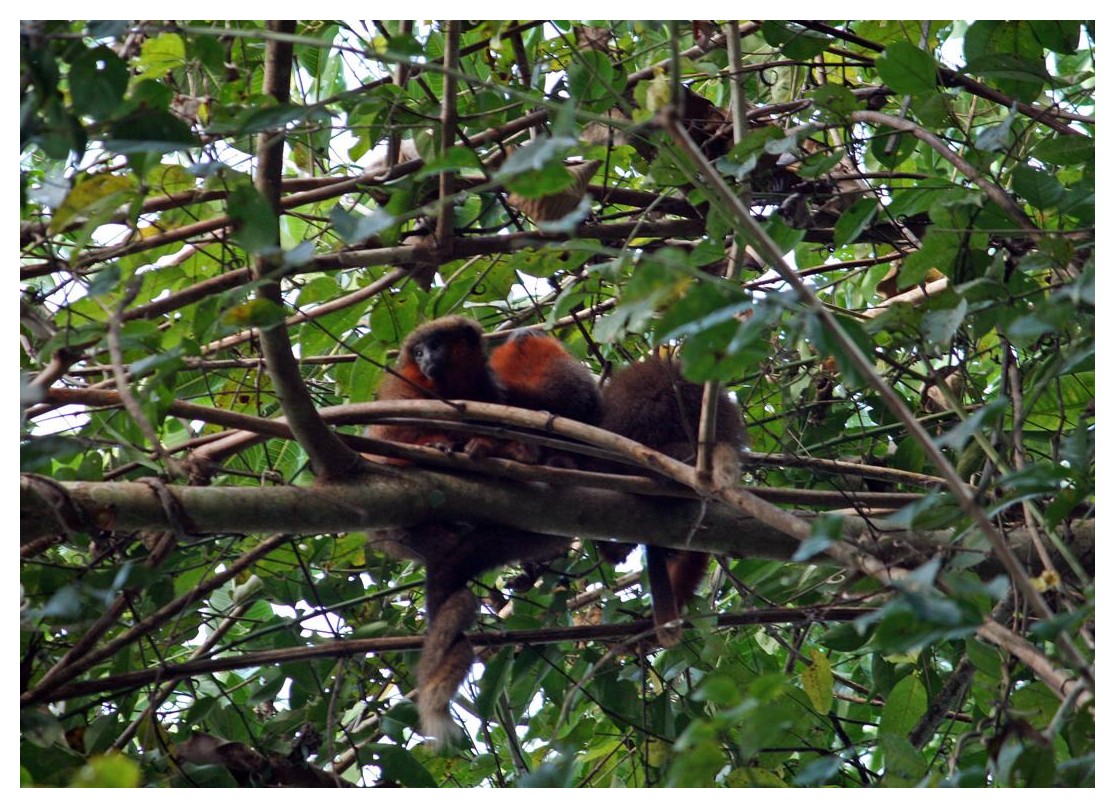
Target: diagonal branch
(329,457)
(996,193)
(956,486)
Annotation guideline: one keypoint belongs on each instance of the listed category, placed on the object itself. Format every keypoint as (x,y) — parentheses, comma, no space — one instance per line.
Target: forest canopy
(871,240)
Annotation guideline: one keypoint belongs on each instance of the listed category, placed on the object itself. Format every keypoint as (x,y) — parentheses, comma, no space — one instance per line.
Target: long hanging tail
(453,555)
(446,659)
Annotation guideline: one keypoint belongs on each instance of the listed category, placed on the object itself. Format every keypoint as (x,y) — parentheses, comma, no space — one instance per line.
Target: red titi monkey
(537,373)
(648,402)
(651,403)
(445,359)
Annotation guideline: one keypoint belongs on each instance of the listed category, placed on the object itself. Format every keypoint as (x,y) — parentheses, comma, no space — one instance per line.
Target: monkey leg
(674,577)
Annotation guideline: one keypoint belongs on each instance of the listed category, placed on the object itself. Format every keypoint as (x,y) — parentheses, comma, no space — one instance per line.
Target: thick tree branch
(329,457)
(399,496)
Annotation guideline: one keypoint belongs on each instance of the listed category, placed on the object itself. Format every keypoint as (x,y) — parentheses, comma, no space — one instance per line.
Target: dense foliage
(878,236)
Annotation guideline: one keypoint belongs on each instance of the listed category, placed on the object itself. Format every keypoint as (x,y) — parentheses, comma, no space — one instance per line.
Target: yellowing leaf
(90,197)
(816,680)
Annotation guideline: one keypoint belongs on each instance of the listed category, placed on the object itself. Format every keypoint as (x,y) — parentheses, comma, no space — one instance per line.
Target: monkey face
(432,357)
(444,348)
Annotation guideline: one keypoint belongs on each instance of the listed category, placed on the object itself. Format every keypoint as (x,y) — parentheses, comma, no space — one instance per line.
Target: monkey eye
(418,351)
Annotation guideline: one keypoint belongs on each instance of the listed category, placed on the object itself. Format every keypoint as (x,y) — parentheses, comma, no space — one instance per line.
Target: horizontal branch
(489,638)
(398,496)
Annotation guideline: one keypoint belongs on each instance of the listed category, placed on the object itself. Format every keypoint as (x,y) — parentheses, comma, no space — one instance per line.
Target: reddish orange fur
(538,373)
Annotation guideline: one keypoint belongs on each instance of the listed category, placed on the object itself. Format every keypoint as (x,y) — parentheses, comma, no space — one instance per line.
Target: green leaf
(844,637)
(855,220)
(547,181)
(594,82)
(107,29)
(794,41)
(837,99)
(257,226)
(941,325)
(95,197)
(905,765)
(149,130)
(493,684)
(160,54)
(98,79)
(891,147)
(827,345)
(826,529)
(400,766)
(273,117)
(108,771)
(905,706)
(256,313)
(988,415)
(358,229)
(752,777)
(717,689)
(938,251)
(39,454)
(536,155)
(933,511)
(1039,188)
(999,137)
(40,727)
(557,773)
(452,161)
(818,771)
(907,69)
(1059,36)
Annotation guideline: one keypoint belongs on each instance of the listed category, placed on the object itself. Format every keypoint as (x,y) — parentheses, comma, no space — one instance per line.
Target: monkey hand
(483,446)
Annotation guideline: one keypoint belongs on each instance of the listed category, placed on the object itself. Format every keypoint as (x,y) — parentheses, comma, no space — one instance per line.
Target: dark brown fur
(538,373)
(651,403)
